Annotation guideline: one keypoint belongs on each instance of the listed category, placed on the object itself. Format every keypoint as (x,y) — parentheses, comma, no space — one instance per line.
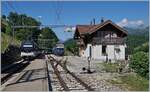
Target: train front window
(28,46)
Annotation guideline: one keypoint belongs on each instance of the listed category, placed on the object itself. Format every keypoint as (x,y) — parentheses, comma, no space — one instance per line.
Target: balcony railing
(118,40)
(79,41)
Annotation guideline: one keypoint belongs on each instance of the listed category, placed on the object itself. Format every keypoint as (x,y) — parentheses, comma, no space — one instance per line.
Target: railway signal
(89,68)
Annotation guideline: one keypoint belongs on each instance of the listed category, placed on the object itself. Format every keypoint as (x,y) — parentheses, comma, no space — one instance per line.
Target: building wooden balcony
(106,41)
(79,41)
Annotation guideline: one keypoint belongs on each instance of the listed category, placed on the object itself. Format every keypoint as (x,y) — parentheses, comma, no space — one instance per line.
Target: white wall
(120,55)
(113,54)
(97,52)
(86,51)
(110,50)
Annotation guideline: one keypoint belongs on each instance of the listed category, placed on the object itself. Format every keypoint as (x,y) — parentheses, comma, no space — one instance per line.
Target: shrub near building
(139,62)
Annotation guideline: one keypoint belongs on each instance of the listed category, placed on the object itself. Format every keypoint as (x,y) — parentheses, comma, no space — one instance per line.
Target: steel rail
(73,75)
(49,80)
(62,82)
(13,70)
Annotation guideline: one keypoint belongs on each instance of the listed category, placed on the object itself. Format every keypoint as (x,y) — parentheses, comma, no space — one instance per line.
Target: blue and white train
(29,49)
(59,49)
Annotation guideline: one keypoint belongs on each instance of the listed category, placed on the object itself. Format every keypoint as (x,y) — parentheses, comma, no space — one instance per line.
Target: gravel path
(97,80)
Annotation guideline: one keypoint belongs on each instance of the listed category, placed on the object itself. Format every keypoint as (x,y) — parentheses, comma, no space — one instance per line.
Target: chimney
(102,19)
(91,23)
(94,21)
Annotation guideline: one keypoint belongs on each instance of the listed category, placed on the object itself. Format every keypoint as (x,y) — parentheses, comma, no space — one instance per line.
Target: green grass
(110,67)
(5,41)
(132,82)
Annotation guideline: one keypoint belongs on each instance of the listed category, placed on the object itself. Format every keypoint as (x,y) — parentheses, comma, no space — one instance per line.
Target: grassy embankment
(5,42)
(132,82)
(110,67)
(9,52)
(129,81)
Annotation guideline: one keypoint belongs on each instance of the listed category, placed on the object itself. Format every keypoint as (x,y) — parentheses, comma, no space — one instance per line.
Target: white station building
(104,41)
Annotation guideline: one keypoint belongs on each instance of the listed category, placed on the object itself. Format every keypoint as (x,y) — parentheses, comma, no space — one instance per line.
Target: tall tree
(16,19)
(4,17)
(71,46)
(47,37)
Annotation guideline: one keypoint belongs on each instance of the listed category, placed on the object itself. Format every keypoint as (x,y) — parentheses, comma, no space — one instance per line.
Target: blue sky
(124,13)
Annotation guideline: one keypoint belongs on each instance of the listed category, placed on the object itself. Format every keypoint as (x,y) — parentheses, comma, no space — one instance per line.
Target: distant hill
(138,31)
(71,47)
(136,37)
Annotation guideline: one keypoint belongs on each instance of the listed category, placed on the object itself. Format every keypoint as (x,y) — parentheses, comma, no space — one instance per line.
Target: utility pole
(13,35)
(39,18)
(89,60)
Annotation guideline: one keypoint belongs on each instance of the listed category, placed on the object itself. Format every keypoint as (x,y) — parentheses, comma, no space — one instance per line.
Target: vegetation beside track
(131,81)
(71,47)
(110,67)
(6,41)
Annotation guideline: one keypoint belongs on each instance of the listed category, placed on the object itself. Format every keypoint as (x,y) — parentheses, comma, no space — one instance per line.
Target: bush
(131,82)
(11,54)
(71,46)
(139,62)
(111,67)
(144,47)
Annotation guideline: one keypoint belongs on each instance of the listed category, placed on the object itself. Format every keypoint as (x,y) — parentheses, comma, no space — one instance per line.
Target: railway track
(7,73)
(67,79)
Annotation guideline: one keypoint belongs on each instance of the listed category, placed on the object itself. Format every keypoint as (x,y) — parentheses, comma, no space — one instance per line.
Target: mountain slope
(136,37)
(138,31)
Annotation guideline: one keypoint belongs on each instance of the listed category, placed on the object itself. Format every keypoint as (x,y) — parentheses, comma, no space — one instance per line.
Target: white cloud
(73,28)
(70,29)
(127,23)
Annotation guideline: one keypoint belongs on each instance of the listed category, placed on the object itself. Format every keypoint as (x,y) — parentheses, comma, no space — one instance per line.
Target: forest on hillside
(138,49)
(136,37)
(15,19)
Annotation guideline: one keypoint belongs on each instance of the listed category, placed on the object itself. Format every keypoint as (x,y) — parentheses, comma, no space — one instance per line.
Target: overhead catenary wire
(12,6)
(17,10)
(5,4)
(58,12)
(51,26)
